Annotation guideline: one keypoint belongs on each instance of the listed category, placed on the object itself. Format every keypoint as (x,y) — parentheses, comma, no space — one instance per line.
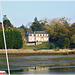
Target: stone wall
(32,44)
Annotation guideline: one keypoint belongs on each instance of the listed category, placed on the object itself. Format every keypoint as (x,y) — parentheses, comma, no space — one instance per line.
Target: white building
(37,36)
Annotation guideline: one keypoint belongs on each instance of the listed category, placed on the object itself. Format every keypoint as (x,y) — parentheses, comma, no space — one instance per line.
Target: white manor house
(37,36)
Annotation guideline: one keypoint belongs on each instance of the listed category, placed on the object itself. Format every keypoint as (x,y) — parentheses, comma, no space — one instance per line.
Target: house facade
(37,36)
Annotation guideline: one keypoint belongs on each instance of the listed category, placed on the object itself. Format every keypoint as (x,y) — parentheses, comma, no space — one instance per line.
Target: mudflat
(37,51)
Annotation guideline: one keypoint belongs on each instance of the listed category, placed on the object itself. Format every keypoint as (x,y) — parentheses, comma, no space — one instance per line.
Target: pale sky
(22,12)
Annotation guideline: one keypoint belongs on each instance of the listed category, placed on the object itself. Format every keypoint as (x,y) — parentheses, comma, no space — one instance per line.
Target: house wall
(31,39)
(38,38)
(42,38)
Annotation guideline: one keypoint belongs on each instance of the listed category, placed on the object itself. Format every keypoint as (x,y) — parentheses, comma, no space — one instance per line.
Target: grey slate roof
(38,32)
(30,33)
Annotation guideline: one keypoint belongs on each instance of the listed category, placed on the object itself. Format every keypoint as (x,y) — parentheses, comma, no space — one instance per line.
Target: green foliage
(72,29)
(73,39)
(13,39)
(64,43)
(1,40)
(37,25)
(72,44)
(51,45)
(23,30)
(62,33)
(7,25)
(58,32)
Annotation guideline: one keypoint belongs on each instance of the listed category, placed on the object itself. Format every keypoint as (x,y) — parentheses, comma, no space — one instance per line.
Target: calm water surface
(43,64)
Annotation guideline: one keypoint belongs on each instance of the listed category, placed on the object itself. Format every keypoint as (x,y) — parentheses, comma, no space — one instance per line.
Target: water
(51,70)
(43,64)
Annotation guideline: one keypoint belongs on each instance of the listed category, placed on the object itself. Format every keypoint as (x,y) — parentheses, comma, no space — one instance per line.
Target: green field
(44,45)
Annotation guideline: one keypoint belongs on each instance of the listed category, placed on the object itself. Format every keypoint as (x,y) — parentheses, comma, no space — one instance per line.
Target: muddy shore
(30,52)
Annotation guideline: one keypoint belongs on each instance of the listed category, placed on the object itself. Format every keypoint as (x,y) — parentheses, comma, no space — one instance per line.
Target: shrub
(51,45)
(64,43)
(13,39)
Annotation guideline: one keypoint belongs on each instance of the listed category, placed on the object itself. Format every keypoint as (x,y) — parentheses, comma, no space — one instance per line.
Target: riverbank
(30,52)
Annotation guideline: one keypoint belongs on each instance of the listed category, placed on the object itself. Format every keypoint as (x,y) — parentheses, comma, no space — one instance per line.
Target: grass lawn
(44,45)
(64,58)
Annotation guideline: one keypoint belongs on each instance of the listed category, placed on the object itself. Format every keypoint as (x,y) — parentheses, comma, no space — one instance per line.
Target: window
(36,38)
(36,34)
(39,38)
(39,34)
(42,34)
(47,34)
(44,38)
(47,39)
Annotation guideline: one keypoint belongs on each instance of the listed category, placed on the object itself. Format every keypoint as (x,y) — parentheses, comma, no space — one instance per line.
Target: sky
(23,12)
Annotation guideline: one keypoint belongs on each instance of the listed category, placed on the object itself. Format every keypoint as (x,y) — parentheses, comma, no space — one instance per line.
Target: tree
(58,32)
(72,29)
(60,21)
(23,30)
(13,39)
(36,25)
(59,28)
(7,25)
(41,25)
(51,45)
(73,39)
(72,45)
(64,43)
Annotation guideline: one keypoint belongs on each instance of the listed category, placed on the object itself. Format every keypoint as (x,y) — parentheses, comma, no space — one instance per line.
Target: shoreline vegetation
(30,52)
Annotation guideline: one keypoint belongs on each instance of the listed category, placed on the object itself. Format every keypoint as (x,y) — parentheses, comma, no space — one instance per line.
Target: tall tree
(72,29)
(36,25)
(7,25)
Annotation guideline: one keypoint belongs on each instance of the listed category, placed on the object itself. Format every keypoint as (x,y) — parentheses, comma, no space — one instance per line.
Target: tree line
(61,32)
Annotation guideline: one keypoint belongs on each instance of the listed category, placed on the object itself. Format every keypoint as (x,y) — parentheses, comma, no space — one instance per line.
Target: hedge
(13,39)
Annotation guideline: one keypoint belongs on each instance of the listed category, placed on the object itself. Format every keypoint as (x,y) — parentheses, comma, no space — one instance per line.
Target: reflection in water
(48,70)
(26,64)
